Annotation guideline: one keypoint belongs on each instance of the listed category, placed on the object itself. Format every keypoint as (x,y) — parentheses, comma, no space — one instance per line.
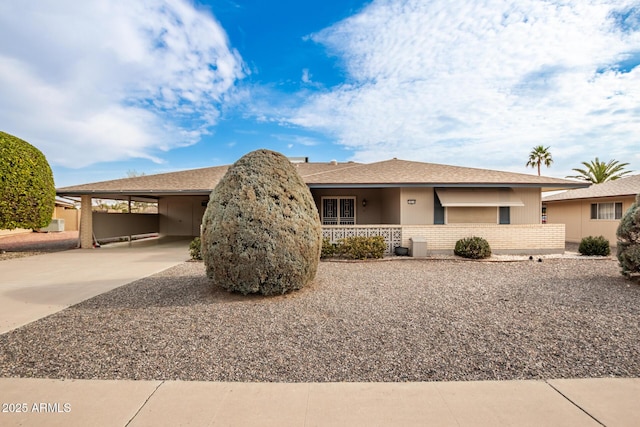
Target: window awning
(477,197)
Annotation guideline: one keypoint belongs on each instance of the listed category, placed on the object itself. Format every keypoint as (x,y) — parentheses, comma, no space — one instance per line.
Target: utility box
(418,247)
(56,225)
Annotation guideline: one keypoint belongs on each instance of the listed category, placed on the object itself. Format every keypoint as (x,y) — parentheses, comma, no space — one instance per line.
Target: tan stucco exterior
(391,192)
(181,215)
(576,216)
(71,217)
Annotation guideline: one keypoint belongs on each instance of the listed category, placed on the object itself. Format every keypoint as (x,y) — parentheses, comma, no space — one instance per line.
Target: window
(606,210)
(505,215)
(338,210)
(438,210)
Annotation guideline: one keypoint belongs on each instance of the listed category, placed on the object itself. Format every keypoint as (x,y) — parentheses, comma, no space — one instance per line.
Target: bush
(27,191)
(629,240)
(261,231)
(472,247)
(328,249)
(195,249)
(362,247)
(594,246)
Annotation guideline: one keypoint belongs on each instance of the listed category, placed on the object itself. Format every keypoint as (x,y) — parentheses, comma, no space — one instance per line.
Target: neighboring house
(65,217)
(400,200)
(593,211)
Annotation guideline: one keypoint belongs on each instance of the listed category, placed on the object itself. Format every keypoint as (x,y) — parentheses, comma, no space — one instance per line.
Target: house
(593,211)
(65,217)
(400,200)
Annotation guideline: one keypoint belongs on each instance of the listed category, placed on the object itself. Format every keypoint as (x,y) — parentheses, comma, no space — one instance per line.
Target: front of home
(402,201)
(593,211)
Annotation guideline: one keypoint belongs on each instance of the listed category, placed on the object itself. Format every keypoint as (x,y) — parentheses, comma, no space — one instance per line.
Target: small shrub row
(594,246)
(472,247)
(195,249)
(355,248)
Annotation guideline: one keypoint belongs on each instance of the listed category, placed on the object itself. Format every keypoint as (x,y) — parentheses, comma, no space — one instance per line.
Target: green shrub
(629,240)
(328,249)
(362,247)
(594,246)
(27,191)
(261,232)
(472,247)
(195,249)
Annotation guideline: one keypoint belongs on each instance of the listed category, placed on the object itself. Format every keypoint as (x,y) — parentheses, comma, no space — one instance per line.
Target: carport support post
(86,223)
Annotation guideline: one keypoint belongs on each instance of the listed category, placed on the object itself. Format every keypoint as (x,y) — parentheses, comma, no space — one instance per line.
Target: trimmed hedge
(472,247)
(594,246)
(355,248)
(328,249)
(27,191)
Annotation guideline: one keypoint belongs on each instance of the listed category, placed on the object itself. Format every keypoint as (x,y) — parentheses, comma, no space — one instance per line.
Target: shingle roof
(317,175)
(628,186)
(396,172)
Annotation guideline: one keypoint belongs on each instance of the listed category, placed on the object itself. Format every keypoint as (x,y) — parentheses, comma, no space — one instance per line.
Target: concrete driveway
(37,286)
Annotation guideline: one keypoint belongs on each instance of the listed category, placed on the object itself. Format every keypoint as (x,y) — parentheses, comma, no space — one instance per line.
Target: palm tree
(540,156)
(597,172)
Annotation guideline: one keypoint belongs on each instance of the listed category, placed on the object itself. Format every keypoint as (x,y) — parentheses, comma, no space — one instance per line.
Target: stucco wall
(106,225)
(576,216)
(531,212)
(379,207)
(181,215)
(390,210)
(422,211)
(71,217)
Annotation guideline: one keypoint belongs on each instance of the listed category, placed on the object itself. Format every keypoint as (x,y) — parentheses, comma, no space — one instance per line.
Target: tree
(27,191)
(132,173)
(628,234)
(597,172)
(540,156)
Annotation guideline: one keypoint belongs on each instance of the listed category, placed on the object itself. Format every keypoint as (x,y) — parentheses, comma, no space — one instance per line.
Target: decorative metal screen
(330,211)
(338,210)
(347,211)
(392,235)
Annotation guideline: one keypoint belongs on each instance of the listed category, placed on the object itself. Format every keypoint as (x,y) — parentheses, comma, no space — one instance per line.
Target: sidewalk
(36,286)
(585,402)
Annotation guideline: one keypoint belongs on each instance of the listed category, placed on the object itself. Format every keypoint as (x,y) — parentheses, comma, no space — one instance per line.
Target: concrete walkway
(34,287)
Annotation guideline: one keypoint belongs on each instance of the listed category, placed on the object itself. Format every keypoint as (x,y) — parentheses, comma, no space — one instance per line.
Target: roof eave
(546,186)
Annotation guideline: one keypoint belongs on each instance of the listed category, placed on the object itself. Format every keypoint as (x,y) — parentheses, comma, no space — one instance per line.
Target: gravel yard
(398,320)
(29,244)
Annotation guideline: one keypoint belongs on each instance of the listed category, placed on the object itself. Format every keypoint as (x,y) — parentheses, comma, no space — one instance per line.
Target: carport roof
(389,173)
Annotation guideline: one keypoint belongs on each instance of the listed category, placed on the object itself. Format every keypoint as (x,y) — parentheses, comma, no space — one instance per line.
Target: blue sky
(104,87)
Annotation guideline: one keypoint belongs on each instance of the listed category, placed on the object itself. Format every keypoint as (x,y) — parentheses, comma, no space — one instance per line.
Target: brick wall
(503,239)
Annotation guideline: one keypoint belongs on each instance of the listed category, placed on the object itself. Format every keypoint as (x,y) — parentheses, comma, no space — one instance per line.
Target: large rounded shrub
(27,191)
(261,230)
(629,240)
(472,247)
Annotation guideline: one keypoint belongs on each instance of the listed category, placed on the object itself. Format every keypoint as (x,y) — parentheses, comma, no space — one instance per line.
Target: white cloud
(104,80)
(306,76)
(481,82)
